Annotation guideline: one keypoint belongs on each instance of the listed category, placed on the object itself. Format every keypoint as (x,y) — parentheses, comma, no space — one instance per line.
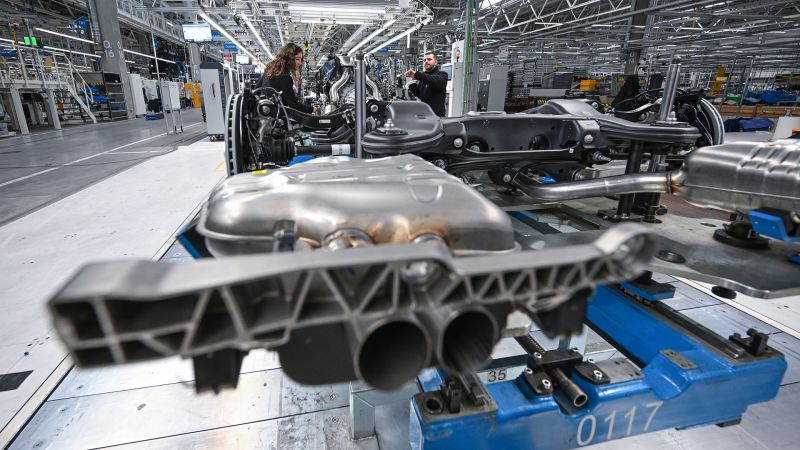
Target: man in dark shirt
(430,86)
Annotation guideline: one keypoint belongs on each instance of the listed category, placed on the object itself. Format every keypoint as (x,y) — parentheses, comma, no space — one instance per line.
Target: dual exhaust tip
(390,352)
(393,351)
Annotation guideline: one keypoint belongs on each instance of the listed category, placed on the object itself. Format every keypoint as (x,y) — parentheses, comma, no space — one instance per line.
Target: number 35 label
(500,374)
(587,427)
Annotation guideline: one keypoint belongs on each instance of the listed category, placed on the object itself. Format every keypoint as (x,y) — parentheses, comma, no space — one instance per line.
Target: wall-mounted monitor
(242,59)
(197,32)
(448,69)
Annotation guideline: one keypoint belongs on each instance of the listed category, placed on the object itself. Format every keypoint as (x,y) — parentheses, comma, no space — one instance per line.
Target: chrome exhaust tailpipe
(388,353)
(464,338)
(468,340)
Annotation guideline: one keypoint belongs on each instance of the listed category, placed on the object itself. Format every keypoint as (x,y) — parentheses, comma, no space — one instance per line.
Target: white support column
(52,111)
(19,113)
(35,112)
(194,60)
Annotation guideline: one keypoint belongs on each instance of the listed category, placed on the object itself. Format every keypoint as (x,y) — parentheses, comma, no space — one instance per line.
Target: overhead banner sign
(229,46)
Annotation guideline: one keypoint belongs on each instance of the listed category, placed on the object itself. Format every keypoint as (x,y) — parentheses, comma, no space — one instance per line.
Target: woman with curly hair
(278,75)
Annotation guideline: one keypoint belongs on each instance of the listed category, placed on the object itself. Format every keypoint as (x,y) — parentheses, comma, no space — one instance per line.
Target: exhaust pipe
(464,338)
(388,353)
(599,187)
(333,94)
(735,177)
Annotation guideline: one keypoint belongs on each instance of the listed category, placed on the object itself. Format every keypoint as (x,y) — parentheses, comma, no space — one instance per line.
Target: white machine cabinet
(212,81)
(170,95)
(138,90)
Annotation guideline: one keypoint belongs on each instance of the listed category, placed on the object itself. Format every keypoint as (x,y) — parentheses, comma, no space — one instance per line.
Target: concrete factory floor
(74,196)
(46,166)
(73,215)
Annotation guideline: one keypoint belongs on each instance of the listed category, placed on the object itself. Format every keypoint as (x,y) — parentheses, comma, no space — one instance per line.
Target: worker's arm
(413,88)
(437,80)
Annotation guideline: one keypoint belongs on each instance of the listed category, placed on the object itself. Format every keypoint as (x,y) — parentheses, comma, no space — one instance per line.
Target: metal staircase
(80,96)
(61,86)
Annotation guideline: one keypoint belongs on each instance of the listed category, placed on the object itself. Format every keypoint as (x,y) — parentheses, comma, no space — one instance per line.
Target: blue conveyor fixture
(677,374)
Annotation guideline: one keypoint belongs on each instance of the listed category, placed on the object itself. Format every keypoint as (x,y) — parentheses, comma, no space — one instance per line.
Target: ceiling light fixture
(225,33)
(47,47)
(336,10)
(331,21)
(372,35)
(258,37)
(64,35)
(401,35)
(147,56)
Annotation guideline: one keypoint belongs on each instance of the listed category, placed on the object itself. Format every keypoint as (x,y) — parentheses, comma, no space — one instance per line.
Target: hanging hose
(468,44)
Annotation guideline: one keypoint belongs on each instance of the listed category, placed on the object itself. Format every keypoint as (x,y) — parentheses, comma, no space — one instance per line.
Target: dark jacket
(285,85)
(431,89)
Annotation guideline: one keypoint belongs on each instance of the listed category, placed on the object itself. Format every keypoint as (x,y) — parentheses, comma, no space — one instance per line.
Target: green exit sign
(30,41)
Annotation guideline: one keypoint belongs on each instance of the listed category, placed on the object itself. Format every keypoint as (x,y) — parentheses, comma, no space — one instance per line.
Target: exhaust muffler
(736,177)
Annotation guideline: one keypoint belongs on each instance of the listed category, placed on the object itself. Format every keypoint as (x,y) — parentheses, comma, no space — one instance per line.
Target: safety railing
(30,71)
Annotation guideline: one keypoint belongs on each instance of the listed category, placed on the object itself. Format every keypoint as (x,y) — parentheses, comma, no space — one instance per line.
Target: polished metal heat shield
(392,200)
(742,176)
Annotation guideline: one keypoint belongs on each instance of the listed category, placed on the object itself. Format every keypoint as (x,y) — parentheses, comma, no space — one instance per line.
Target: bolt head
(597,375)
(458,142)
(546,383)
(528,370)
(588,139)
(537,355)
(506,178)
(417,273)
